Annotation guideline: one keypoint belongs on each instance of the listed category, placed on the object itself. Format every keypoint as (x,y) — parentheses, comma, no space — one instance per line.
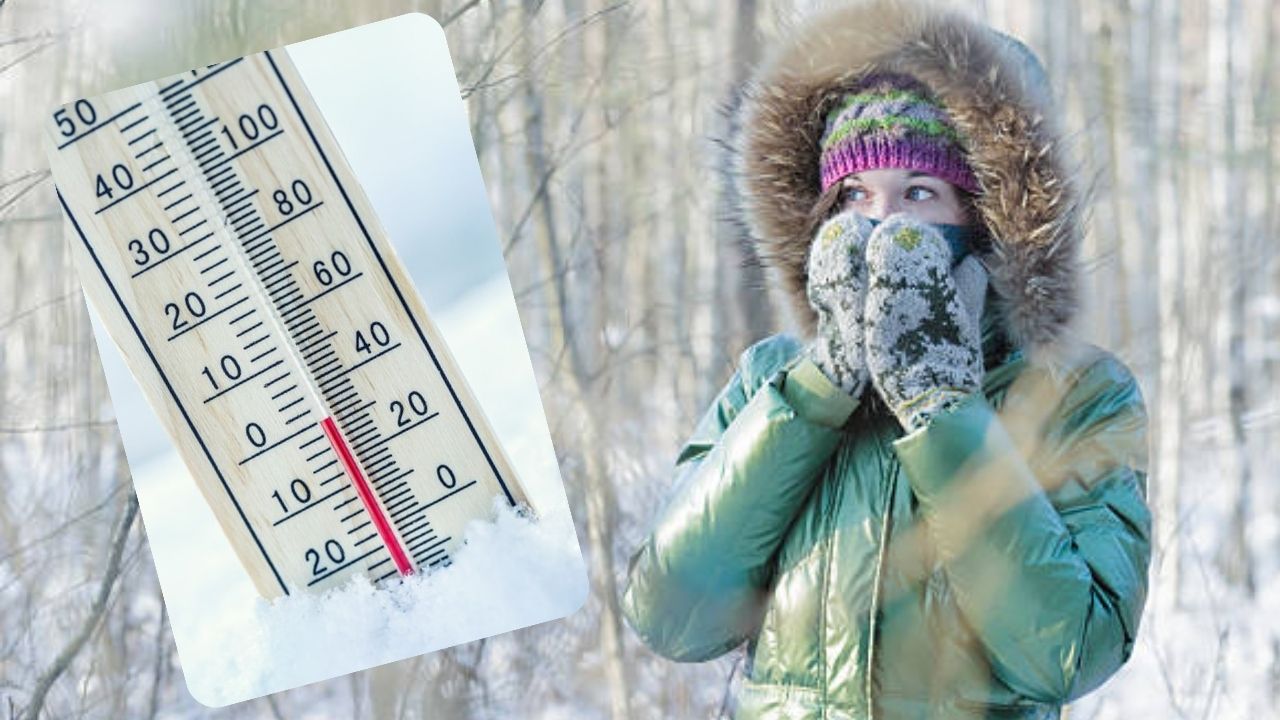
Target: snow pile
(511,572)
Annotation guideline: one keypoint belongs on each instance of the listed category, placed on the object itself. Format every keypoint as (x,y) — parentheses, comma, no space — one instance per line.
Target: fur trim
(997,95)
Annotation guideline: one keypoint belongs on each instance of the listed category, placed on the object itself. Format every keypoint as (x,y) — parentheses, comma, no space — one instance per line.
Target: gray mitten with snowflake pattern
(923,348)
(837,289)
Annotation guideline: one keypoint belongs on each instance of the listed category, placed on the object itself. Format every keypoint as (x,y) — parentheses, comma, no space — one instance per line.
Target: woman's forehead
(889,174)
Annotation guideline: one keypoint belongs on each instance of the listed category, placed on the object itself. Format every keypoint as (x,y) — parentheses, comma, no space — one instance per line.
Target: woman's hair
(827,205)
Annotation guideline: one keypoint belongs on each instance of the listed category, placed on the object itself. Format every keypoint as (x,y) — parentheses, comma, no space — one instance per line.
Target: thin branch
(162,662)
(560,156)
(566,153)
(275,708)
(492,65)
(459,12)
(91,424)
(726,700)
(581,24)
(24,176)
(58,530)
(14,318)
(22,39)
(47,217)
(33,51)
(558,276)
(119,539)
(35,179)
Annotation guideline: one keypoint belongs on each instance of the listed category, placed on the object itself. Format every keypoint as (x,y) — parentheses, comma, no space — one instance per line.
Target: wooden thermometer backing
(238,265)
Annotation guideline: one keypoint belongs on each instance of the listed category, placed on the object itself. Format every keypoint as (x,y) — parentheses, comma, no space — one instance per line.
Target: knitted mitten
(923,348)
(837,286)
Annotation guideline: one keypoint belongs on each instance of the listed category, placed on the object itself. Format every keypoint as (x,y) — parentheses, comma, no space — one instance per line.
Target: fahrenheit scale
(237,263)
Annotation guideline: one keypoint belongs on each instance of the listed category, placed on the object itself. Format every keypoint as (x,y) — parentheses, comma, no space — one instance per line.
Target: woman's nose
(882,207)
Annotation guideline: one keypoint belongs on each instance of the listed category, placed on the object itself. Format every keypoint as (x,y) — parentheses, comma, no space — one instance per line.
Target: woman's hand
(923,345)
(837,290)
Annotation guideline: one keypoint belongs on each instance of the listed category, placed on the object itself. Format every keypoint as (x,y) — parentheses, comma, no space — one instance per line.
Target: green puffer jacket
(973,578)
(992,564)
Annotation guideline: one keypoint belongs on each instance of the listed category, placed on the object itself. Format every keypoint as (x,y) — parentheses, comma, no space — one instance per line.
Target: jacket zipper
(837,496)
(877,584)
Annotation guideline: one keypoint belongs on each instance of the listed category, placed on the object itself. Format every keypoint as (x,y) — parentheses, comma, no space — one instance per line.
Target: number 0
(256,435)
(447,476)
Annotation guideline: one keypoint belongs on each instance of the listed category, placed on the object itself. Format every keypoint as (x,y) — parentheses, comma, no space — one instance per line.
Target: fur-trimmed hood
(996,93)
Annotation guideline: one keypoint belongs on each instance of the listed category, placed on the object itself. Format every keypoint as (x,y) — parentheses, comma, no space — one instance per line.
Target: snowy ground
(512,573)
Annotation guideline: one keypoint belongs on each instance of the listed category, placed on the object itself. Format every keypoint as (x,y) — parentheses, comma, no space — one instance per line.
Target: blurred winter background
(593,120)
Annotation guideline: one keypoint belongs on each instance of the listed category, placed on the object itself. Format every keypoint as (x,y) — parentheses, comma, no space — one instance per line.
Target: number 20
(333,549)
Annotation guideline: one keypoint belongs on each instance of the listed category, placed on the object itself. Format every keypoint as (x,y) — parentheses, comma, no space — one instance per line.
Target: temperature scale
(238,265)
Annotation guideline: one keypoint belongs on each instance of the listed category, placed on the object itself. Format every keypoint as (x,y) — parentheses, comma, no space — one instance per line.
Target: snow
(292,641)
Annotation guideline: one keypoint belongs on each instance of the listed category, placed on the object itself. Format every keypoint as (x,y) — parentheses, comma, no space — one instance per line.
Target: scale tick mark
(276,380)
(148,151)
(228,291)
(249,329)
(138,139)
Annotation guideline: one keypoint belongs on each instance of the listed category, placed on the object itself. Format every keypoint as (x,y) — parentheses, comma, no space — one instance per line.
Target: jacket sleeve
(697,584)
(1045,544)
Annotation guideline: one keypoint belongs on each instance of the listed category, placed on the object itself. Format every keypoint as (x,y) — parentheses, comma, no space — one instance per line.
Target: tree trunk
(597,489)
(1231,206)
(1166,475)
(755,317)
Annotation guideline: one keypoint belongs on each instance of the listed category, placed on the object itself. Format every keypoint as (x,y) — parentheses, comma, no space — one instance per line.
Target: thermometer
(234,259)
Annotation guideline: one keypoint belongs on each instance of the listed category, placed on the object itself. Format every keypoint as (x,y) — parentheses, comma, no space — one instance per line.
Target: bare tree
(1167,468)
(111,574)
(1231,211)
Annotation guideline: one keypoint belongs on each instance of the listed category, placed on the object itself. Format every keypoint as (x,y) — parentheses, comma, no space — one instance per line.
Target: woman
(934,504)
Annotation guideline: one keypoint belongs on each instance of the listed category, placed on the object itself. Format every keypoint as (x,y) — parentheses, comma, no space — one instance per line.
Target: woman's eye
(855,194)
(918,193)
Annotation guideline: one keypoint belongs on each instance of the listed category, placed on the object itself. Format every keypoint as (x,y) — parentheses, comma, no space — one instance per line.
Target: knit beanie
(893,121)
